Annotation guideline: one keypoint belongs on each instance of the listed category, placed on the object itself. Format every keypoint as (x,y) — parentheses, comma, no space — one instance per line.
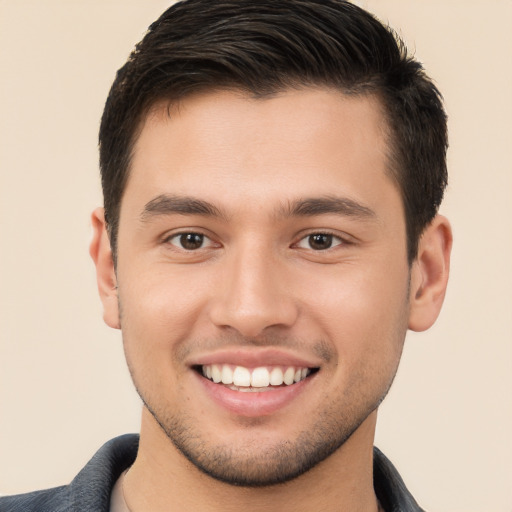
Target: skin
(258,287)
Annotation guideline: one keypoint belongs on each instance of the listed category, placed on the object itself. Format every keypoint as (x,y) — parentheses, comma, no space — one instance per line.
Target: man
(272,173)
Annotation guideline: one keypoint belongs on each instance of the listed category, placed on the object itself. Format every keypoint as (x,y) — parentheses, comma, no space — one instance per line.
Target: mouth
(259,379)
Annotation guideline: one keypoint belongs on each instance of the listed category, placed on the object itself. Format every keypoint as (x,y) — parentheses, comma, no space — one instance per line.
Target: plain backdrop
(64,389)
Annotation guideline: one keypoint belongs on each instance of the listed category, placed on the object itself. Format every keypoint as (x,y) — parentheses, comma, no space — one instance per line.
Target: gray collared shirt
(91,489)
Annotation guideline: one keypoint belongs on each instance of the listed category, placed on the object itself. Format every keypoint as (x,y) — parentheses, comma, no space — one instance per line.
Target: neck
(163,479)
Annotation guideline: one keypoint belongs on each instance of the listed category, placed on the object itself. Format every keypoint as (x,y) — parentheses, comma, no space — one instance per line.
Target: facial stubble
(255,466)
(254,463)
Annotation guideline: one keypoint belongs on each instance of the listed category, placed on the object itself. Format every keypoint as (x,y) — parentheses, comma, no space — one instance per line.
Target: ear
(101,254)
(429,274)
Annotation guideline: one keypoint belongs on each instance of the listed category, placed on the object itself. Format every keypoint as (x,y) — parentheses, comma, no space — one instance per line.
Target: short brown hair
(267,46)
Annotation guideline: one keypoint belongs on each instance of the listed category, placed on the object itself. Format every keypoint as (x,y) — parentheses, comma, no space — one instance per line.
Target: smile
(263,378)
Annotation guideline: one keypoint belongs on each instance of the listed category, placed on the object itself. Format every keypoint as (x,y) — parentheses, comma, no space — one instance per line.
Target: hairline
(392,167)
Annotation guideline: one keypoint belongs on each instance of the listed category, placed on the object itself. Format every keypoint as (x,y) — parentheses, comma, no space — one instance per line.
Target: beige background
(64,389)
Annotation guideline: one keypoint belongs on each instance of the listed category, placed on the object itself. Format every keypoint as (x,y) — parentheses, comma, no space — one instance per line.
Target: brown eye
(319,241)
(190,241)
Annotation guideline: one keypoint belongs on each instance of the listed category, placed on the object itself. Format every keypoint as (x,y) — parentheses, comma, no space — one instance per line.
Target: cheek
(364,314)
(159,316)
(368,335)
(154,327)
(162,302)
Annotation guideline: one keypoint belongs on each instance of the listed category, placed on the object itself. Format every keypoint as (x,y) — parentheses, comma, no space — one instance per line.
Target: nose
(254,294)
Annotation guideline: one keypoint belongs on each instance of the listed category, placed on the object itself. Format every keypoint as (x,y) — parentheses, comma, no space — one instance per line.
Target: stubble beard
(256,465)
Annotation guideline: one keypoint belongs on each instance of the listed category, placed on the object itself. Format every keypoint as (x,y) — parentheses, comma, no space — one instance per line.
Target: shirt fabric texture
(90,490)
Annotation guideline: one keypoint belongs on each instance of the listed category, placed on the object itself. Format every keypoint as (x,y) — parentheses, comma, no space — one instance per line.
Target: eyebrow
(325,205)
(166,204)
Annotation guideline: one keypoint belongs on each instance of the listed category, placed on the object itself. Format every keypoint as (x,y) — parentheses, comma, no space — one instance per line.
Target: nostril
(250,300)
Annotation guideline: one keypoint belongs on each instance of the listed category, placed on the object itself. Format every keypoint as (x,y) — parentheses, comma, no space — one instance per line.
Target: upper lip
(255,358)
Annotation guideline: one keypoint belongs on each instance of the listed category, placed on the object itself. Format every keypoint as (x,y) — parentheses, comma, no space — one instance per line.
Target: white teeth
(241,376)
(288,376)
(227,375)
(216,374)
(276,377)
(262,378)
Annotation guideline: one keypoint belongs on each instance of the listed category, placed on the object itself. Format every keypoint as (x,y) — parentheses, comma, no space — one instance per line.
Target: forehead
(227,146)
(294,112)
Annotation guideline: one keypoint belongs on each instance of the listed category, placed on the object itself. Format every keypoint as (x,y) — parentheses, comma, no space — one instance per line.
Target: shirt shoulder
(89,491)
(49,500)
(390,489)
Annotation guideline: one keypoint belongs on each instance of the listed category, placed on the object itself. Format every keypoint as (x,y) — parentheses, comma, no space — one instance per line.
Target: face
(262,277)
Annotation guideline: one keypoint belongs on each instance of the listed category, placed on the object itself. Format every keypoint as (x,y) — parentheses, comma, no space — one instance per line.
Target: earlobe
(101,254)
(429,274)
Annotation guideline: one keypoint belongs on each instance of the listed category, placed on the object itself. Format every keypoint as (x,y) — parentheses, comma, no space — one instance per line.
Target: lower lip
(253,403)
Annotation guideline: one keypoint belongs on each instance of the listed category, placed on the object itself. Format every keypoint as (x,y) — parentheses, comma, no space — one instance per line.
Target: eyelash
(179,236)
(335,240)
